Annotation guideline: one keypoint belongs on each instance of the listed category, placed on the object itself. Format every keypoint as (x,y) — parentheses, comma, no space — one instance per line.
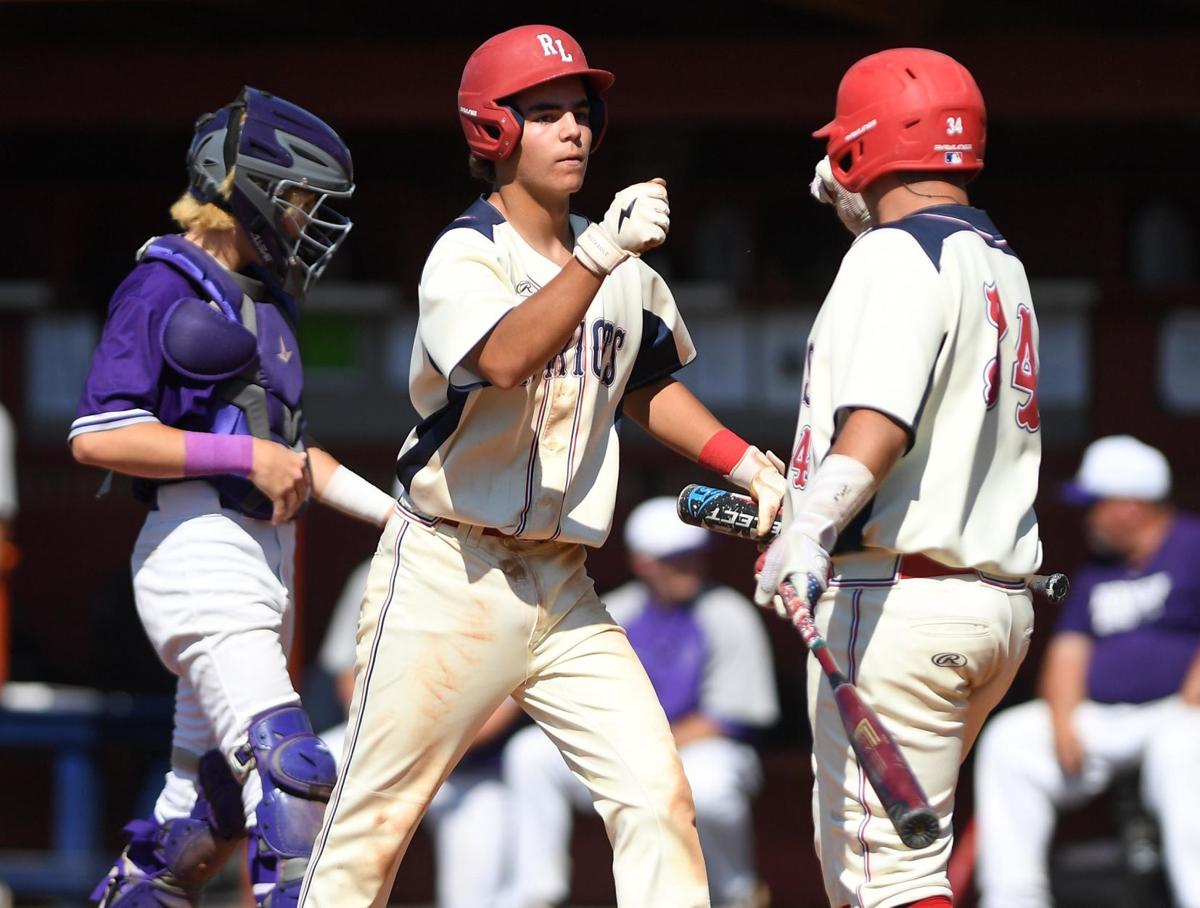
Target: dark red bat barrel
(889,774)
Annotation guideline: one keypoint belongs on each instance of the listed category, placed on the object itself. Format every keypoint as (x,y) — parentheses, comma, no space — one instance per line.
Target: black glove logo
(626,212)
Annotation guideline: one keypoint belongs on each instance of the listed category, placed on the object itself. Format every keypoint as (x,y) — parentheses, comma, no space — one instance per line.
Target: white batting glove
(762,476)
(638,219)
(800,552)
(851,209)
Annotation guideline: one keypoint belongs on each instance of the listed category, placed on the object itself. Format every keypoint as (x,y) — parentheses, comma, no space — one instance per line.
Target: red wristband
(722,452)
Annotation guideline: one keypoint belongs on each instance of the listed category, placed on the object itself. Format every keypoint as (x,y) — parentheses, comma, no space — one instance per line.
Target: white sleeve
(8,467)
(739,679)
(666,345)
(337,649)
(890,317)
(464,292)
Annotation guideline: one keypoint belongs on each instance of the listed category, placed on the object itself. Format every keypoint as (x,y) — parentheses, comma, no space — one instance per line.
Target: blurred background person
(467,817)
(708,657)
(1119,689)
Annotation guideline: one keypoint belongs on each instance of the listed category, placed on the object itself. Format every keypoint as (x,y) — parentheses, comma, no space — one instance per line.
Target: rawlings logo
(862,130)
(468,111)
(949,660)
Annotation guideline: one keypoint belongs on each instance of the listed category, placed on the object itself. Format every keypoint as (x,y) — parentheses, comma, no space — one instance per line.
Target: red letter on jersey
(801,459)
(991,373)
(1025,372)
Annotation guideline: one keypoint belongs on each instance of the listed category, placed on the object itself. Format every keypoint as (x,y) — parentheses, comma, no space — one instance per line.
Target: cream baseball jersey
(538,461)
(930,321)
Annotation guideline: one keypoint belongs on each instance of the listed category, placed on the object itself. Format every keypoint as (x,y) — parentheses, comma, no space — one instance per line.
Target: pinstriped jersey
(930,321)
(538,461)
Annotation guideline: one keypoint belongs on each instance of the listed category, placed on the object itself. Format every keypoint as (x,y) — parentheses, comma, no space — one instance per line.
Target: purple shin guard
(165,864)
(297,773)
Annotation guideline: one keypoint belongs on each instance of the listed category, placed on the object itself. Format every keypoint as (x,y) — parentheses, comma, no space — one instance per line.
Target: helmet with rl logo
(511,62)
(905,109)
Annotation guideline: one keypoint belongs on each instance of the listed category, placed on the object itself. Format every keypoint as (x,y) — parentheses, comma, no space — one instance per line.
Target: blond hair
(481,168)
(192,214)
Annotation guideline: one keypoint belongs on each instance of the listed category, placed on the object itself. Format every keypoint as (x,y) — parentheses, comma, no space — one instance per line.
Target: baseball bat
(878,753)
(735,514)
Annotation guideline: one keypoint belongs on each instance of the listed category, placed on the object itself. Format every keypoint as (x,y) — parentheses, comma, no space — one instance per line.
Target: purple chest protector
(672,648)
(247,349)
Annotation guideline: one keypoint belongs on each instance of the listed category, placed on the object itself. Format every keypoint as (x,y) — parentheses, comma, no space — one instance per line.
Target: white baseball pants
(1019,786)
(892,643)
(212,588)
(724,775)
(469,821)
(453,622)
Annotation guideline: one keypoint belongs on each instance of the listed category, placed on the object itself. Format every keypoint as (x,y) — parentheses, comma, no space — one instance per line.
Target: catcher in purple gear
(195,391)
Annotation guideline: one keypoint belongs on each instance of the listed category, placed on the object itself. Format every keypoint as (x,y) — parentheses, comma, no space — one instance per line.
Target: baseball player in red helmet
(915,463)
(538,330)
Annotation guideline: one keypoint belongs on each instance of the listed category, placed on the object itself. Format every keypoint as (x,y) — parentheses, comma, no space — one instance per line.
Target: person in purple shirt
(708,657)
(1120,686)
(195,390)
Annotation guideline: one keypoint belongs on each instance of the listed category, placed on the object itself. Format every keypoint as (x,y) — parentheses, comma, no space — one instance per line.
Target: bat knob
(1057,587)
(918,827)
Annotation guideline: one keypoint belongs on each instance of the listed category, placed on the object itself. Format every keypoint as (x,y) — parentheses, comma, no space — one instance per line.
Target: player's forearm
(323,465)
(340,487)
(872,439)
(669,412)
(1063,683)
(526,338)
(148,450)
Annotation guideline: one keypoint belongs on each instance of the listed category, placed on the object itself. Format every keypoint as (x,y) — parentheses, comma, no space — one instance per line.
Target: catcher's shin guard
(297,772)
(165,864)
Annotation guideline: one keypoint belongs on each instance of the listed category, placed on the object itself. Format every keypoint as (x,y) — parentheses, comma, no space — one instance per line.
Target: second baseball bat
(735,514)
(878,753)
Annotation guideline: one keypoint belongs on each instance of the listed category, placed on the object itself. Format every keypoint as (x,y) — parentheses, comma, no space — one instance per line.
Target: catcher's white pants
(212,588)
(469,821)
(892,643)
(453,622)
(1019,786)
(724,775)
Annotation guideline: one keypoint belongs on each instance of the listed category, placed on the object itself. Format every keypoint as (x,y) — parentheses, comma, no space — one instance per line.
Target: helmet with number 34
(907,109)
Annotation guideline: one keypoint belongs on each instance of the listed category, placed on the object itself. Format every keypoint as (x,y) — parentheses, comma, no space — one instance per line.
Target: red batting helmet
(511,62)
(905,109)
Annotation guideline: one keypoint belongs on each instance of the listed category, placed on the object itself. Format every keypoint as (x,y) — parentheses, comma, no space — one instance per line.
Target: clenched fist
(638,219)
(282,475)
(851,209)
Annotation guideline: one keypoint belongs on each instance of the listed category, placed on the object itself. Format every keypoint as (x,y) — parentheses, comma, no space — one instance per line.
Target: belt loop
(473,532)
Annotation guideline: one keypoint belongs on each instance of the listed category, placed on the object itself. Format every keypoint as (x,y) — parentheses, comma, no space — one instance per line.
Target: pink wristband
(722,452)
(205,454)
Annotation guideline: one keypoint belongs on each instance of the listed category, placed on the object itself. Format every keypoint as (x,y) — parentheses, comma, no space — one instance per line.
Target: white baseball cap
(1119,466)
(655,530)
